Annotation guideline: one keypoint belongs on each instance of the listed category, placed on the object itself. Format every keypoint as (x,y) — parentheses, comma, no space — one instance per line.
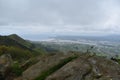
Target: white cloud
(60,17)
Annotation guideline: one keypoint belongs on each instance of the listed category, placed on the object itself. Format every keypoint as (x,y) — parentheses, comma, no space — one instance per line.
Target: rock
(89,68)
(85,67)
(75,70)
(5,64)
(44,64)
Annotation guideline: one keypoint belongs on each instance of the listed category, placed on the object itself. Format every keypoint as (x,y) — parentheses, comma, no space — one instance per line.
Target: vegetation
(20,49)
(5,40)
(22,53)
(15,37)
(116,58)
(17,54)
(16,69)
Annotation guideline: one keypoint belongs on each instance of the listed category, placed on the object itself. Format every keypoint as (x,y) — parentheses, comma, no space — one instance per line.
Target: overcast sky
(59,17)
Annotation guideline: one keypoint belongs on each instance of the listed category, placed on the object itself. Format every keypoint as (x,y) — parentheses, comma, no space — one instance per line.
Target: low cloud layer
(59,17)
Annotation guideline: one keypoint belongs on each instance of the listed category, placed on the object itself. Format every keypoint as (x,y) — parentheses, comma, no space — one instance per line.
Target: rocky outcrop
(88,68)
(44,64)
(83,67)
(5,64)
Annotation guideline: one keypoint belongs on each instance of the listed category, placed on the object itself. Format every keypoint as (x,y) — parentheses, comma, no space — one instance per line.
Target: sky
(35,19)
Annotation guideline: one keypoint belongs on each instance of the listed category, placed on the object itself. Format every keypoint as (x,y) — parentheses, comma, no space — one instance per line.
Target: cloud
(59,16)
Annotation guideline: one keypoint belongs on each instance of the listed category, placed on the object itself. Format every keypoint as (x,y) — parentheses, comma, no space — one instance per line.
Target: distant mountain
(12,40)
(112,38)
(16,41)
(20,40)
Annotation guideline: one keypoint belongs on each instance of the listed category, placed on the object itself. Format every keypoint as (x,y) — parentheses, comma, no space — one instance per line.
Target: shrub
(16,69)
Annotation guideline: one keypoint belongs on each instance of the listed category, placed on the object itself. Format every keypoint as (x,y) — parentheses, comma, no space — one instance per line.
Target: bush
(16,69)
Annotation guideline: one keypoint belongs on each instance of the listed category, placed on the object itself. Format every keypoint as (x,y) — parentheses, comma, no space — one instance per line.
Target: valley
(100,47)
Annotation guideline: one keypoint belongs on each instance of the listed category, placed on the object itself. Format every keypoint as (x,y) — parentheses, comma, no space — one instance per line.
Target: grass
(16,69)
(44,75)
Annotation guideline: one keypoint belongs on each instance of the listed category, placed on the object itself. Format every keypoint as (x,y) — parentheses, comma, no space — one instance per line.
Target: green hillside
(16,55)
(20,40)
(18,48)
(5,40)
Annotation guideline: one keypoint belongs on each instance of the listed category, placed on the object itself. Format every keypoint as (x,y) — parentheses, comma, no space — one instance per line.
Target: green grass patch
(16,69)
(44,75)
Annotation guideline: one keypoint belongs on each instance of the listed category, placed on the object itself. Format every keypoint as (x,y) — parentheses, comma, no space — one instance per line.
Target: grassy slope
(18,48)
(21,41)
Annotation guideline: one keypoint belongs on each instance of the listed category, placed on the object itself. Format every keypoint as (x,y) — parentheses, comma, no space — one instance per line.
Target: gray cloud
(59,16)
